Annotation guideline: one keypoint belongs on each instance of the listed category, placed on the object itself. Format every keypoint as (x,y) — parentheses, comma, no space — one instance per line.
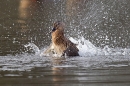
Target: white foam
(33,47)
(86,48)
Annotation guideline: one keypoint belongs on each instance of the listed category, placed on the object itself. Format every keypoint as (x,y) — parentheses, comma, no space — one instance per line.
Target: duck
(60,44)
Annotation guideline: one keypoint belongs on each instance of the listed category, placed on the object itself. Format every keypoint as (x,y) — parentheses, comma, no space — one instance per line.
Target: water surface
(100,27)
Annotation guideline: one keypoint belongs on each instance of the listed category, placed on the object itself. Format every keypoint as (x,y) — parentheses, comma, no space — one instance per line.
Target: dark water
(32,70)
(102,22)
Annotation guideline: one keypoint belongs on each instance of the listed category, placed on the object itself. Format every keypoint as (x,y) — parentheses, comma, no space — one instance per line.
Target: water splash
(90,57)
(33,48)
(86,48)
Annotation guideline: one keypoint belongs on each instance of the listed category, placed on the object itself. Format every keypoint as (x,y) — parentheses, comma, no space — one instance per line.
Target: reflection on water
(24,13)
(99,26)
(14,27)
(25,8)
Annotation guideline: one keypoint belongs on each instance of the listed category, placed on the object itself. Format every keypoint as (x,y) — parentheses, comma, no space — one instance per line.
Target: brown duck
(60,44)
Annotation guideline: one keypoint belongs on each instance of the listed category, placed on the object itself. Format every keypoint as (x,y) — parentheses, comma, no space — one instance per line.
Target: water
(100,28)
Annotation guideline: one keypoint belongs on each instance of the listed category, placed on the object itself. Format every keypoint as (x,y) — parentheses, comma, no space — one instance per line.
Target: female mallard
(60,44)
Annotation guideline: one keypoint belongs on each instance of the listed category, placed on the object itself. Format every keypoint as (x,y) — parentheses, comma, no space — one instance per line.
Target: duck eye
(53,29)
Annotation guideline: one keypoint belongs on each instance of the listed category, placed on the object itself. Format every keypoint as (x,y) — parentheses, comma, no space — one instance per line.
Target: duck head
(58,26)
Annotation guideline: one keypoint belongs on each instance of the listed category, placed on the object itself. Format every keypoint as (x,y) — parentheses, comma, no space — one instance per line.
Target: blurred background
(102,22)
